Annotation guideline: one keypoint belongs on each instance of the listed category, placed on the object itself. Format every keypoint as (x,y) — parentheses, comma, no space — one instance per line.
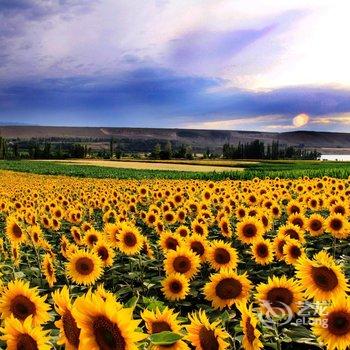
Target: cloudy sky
(224,64)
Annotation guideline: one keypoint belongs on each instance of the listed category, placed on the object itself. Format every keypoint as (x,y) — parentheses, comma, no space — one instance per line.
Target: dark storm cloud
(162,95)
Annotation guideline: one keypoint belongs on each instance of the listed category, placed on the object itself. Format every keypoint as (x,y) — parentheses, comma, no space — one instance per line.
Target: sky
(261,65)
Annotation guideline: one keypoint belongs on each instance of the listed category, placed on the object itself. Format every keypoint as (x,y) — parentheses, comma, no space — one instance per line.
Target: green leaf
(164,338)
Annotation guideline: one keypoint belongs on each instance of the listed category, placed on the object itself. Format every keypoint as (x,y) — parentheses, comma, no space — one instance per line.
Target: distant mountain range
(144,139)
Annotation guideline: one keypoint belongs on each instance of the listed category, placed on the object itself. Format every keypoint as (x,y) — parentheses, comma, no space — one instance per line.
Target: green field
(272,169)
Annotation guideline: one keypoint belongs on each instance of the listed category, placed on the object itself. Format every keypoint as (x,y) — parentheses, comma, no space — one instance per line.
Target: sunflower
(280,294)
(103,293)
(292,251)
(77,235)
(204,335)
(105,253)
(160,321)
(332,328)
(222,255)
(227,288)
(130,240)
(322,277)
(69,331)
(315,225)
(21,301)
(48,270)
(262,252)
(169,241)
(15,231)
(199,228)
(251,335)
(183,231)
(92,237)
(84,267)
(249,230)
(182,260)
(198,244)
(292,231)
(225,227)
(105,324)
(175,286)
(24,335)
(338,226)
(112,231)
(35,234)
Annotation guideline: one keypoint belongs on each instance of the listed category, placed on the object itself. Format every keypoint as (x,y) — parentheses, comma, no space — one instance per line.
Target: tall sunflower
(249,230)
(130,240)
(338,226)
(332,328)
(21,301)
(322,277)
(280,294)
(24,335)
(204,335)
(84,267)
(198,244)
(175,286)
(183,261)
(315,225)
(251,335)
(262,251)
(48,270)
(160,321)
(105,252)
(15,231)
(222,255)
(227,288)
(292,251)
(69,331)
(105,324)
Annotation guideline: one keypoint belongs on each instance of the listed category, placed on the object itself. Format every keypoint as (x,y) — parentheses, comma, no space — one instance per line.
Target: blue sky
(249,65)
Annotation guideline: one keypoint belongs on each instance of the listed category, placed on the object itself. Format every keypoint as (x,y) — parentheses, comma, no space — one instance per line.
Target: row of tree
(167,152)
(257,150)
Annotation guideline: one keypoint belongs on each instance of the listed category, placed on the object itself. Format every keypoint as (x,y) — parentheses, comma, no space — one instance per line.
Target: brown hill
(143,139)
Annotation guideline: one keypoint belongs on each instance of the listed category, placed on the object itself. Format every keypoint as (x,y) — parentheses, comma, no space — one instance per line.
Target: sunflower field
(174,264)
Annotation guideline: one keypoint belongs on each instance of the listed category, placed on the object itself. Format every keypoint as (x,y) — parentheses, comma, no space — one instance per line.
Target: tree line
(258,150)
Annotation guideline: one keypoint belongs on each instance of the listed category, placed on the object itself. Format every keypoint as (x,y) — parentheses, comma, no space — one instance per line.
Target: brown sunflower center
(130,239)
(279,297)
(92,239)
(207,339)
(160,326)
(84,266)
(199,229)
(171,243)
(107,334)
(336,224)
(262,250)
(295,252)
(249,230)
(249,331)
(292,233)
(182,264)
(339,323)
(71,330)
(49,269)
(228,288)
(225,227)
(26,342)
(281,245)
(325,278)
(339,210)
(221,256)
(198,248)
(22,307)
(176,286)
(17,231)
(316,225)
(294,209)
(298,222)
(103,253)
